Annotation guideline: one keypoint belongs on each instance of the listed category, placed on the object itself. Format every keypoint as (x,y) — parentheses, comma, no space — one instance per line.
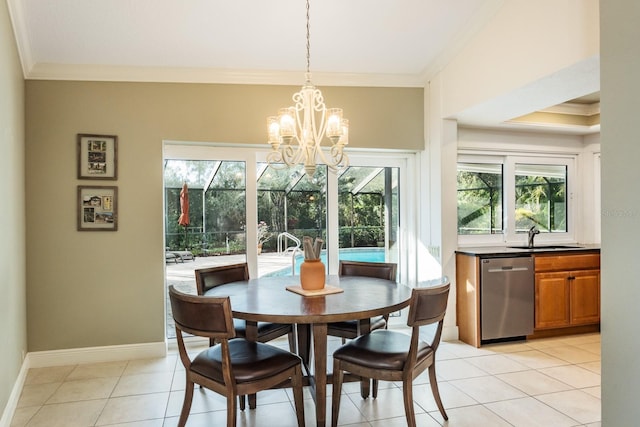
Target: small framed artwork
(97,156)
(97,208)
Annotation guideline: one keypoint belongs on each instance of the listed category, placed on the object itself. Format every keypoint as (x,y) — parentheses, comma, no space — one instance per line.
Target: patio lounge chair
(183,255)
(176,256)
(170,256)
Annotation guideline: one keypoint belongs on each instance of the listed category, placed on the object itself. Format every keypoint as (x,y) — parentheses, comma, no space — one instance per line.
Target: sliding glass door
(242,210)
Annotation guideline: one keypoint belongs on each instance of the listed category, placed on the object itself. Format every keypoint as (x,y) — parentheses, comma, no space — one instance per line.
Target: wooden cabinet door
(552,300)
(585,297)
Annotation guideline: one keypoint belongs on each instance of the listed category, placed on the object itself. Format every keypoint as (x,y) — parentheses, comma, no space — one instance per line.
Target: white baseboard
(76,356)
(12,403)
(190,342)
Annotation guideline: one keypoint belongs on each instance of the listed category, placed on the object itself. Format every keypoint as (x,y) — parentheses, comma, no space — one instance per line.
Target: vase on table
(312,274)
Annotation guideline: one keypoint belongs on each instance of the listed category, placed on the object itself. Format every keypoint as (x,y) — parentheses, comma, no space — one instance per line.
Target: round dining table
(279,300)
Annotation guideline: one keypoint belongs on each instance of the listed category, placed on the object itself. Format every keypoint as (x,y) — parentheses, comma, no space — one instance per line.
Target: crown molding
(574,109)
(17,15)
(44,71)
(562,128)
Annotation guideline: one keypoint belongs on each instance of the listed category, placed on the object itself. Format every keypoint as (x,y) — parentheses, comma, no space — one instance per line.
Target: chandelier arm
(336,159)
(318,106)
(299,107)
(337,153)
(290,155)
(274,159)
(318,132)
(299,154)
(318,100)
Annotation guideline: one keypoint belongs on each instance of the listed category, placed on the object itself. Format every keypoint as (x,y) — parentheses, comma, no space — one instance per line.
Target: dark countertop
(506,251)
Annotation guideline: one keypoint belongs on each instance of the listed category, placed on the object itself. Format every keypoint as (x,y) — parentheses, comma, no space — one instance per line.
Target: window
(500,197)
(479,198)
(540,198)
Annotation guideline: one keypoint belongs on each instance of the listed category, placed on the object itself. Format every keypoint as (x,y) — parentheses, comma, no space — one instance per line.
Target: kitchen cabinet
(567,289)
(468,298)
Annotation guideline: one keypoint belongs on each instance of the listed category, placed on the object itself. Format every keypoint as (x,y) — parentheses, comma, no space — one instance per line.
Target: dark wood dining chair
(349,329)
(209,278)
(395,356)
(233,367)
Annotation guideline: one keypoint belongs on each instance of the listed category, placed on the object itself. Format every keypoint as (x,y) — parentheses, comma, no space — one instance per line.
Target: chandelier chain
(308,42)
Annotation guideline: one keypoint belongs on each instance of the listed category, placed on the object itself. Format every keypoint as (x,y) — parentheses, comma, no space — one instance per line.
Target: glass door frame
(405,161)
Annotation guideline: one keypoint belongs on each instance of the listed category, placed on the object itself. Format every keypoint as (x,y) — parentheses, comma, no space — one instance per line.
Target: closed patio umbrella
(184,211)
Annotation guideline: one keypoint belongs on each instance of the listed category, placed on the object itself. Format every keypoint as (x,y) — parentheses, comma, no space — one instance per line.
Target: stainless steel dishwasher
(506,297)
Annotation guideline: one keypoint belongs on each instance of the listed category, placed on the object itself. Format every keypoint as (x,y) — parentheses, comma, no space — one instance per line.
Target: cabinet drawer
(566,262)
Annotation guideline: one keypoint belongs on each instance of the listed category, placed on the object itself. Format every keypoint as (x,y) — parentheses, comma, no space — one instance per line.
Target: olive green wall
(106,288)
(12,224)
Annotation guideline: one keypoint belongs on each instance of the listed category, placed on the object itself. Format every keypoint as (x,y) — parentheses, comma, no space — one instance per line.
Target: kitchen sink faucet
(532,233)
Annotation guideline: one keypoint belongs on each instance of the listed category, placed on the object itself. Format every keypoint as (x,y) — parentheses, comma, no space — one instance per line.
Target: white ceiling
(391,42)
(397,43)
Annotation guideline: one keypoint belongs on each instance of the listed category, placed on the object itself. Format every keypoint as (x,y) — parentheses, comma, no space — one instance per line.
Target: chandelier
(297,132)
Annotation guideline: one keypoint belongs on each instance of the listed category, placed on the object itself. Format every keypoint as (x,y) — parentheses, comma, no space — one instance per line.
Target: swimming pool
(351,254)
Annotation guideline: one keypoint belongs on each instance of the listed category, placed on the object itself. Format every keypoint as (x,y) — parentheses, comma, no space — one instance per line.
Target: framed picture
(97,156)
(97,208)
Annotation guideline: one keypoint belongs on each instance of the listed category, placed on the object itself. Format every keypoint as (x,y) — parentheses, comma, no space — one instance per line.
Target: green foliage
(360,236)
(271,205)
(540,202)
(217,196)
(222,212)
(479,202)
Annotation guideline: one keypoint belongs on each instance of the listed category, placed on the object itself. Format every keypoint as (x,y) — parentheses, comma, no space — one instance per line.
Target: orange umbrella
(184,206)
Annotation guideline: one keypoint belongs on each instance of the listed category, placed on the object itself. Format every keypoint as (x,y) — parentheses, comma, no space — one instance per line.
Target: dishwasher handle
(506,268)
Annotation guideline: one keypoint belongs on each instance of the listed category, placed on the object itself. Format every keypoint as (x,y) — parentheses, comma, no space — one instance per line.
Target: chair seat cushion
(350,327)
(250,361)
(263,327)
(381,349)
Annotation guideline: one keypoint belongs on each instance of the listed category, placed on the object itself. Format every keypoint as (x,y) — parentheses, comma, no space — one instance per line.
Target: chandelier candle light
(296,133)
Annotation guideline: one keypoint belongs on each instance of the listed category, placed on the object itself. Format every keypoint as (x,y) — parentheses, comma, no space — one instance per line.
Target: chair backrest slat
(428,305)
(202,316)
(380,270)
(208,278)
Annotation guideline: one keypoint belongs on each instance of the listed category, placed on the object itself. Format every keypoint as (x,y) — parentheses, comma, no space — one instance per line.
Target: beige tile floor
(550,382)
